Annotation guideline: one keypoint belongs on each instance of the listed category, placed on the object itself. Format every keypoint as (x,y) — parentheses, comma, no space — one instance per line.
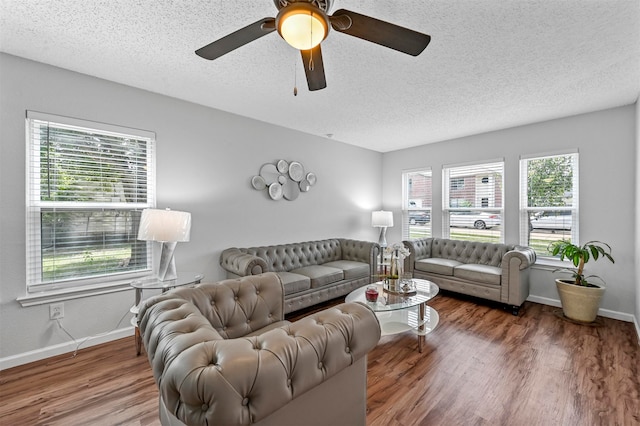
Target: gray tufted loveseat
(498,272)
(222,354)
(312,272)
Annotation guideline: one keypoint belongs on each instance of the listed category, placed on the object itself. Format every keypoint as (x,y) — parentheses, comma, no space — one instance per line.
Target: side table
(153,283)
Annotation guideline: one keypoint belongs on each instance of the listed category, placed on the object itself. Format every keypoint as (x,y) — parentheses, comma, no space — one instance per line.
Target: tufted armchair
(222,354)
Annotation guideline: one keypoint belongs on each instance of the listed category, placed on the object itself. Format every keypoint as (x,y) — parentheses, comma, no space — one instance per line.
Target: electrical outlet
(56,311)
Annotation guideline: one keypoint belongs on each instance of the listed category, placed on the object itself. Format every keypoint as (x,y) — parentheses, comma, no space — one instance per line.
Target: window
(548,201)
(416,210)
(87,185)
(472,205)
(456,184)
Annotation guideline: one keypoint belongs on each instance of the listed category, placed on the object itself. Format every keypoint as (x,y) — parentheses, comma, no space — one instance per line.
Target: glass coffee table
(398,312)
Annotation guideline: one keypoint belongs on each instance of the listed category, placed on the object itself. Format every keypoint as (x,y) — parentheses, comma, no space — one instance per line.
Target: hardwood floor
(480,366)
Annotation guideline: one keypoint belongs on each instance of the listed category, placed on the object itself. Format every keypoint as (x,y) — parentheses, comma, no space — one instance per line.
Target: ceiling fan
(304,24)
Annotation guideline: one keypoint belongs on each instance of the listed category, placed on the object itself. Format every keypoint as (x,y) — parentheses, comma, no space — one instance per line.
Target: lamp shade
(164,225)
(381,219)
(302,25)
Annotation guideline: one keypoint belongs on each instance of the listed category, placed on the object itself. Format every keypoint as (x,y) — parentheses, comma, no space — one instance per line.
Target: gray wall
(205,160)
(637,214)
(606,141)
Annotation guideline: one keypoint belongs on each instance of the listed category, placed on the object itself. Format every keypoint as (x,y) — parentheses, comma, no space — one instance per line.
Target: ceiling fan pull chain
(295,79)
(310,38)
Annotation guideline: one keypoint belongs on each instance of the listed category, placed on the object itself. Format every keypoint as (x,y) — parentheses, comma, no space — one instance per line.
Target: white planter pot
(579,303)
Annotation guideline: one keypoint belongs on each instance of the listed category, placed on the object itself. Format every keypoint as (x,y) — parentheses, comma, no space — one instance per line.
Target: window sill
(51,296)
(550,264)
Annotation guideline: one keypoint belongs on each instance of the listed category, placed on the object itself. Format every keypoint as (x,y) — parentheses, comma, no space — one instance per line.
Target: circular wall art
(311,178)
(275,191)
(305,185)
(296,171)
(282,166)
(258,183)
(284,179)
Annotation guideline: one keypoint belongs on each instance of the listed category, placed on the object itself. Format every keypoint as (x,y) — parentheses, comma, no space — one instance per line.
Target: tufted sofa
(498,272)
(222,354)
(312,272)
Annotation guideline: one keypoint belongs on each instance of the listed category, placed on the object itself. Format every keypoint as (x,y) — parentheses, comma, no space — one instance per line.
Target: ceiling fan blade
(380,32)
(237,39)
(314,68)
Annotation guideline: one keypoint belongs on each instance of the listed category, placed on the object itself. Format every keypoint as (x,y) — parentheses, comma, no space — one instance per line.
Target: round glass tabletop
(184,278)
(388,301)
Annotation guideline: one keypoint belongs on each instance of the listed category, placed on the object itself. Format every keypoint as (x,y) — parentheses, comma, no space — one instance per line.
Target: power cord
(83,341)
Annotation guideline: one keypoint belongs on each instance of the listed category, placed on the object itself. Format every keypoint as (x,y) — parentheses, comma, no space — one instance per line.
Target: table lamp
(382,220)
(168,227)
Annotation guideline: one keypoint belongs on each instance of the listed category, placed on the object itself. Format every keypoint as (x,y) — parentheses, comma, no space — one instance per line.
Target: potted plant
(580,298)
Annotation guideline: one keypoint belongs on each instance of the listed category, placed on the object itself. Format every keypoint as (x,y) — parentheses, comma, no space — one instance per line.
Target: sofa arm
(525,255)
(241,381)
(418,249)
(361,251)
(168,327)
(242,264)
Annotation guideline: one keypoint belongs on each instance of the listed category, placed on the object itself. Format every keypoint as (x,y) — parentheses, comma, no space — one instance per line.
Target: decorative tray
(402,289)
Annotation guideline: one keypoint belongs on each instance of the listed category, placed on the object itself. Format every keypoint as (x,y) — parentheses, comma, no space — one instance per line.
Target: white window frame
(449,173)
(407,209)
(526,211)
(37,288)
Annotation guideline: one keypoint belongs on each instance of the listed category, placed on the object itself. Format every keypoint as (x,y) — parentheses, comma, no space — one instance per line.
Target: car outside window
(416,211)
(472,205)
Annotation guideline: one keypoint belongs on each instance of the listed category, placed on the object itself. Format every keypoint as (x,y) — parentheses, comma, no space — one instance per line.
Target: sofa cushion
(484,274)
(437,265)
(294,283)
(351,269)
(320,275)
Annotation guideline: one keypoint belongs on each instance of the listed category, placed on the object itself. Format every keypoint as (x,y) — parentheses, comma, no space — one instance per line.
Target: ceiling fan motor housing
(324,5)
(302,30)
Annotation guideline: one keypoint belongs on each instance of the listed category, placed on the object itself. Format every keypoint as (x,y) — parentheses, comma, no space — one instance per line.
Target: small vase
(394,273)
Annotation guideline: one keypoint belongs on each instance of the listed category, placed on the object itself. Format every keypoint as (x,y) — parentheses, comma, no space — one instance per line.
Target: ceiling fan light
(302,26)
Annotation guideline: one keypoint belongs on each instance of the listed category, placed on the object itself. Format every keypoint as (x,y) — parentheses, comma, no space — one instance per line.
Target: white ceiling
(490,65)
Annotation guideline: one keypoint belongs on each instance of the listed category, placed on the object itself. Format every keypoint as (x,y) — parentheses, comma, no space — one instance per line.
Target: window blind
(549,196)
(473,201)
(87,185)
(417,204)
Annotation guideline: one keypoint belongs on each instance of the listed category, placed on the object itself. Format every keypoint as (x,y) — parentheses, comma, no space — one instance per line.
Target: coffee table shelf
(394,322)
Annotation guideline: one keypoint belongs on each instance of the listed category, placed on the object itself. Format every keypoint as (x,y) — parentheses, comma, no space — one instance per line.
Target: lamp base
(382,240)
(167,270)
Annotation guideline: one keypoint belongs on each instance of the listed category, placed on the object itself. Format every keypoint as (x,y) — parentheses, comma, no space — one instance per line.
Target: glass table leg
(421,335)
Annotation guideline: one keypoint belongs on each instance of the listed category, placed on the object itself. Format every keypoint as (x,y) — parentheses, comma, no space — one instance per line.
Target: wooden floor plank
(480,366)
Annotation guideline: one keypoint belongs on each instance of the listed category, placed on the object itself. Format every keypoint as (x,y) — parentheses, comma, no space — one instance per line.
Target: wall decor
(283,179)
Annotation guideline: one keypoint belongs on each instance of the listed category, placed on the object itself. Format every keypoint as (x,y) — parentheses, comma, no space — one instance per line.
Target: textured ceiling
(490,64)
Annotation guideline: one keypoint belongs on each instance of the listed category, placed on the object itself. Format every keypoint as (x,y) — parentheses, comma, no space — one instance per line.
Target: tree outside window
(549,201)
(87,188)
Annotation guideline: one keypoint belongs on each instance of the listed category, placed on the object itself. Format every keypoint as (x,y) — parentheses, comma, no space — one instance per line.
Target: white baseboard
(602,312)
(63,348)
